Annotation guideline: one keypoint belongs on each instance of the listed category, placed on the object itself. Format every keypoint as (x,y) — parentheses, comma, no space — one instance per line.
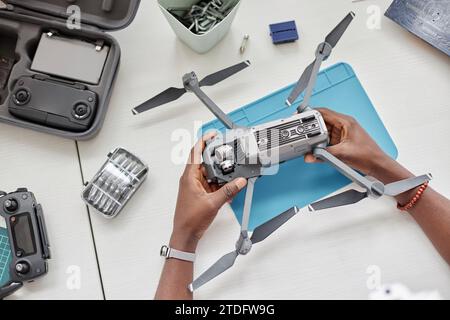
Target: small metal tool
(244,44)
(203,16)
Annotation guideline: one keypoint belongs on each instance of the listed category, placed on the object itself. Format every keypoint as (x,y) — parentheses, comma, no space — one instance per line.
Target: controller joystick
(11,205)
(22,267)
(81,111)
(21,97)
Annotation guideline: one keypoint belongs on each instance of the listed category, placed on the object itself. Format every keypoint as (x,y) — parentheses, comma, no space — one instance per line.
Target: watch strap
(169,253)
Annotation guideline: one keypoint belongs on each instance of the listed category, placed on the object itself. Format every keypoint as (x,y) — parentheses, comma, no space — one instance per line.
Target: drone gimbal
(251,151)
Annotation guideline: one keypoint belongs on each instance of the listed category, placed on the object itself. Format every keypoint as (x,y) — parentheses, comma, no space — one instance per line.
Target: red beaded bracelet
(414,200)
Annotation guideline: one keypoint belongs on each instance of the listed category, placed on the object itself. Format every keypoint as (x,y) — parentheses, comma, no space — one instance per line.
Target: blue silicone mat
(5,256)
(296,182)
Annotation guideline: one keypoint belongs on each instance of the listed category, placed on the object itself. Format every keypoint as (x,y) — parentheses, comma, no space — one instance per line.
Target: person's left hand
(198,202)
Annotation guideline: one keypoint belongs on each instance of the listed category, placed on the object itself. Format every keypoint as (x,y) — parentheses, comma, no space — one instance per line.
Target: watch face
(164,251)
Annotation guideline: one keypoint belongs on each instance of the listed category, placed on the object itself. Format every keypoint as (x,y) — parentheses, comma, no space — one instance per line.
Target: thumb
(228,191)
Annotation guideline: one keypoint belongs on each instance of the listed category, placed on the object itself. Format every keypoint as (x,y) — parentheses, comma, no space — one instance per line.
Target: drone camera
(225,158)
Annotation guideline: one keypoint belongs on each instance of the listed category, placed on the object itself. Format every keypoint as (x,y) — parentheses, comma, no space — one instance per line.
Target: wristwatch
(168,253)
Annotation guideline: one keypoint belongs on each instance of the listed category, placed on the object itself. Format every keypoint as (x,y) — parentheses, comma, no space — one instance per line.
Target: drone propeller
(173,94)
(308,77)
(335,35)
(221,75)
(266,229)
(342,199)
(227,261)
(164,97)
(353,196)
(222,265)
(301,84)
(395,188)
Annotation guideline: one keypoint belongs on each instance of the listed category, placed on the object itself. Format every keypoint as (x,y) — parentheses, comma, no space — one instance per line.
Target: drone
(250,152)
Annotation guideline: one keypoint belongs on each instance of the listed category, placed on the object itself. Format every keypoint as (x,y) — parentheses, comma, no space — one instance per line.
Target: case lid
(104,14)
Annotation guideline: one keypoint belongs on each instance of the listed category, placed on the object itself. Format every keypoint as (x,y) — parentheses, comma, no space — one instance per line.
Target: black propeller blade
(173,94)
(333,37)
(266,229)
(164,97)
(222,265)
(301,84)
(221,75)
(353,196)
(341,199)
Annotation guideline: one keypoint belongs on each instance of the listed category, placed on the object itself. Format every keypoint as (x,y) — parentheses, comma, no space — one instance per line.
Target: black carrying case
(22,22)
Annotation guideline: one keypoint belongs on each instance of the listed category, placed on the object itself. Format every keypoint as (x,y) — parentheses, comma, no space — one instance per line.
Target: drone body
(248,152)
(251,152)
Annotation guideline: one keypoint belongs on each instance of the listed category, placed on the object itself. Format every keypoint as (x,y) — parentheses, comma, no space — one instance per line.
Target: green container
(199,43)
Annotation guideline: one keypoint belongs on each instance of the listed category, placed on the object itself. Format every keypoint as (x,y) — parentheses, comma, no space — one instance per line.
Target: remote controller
(28,238)
(55,104)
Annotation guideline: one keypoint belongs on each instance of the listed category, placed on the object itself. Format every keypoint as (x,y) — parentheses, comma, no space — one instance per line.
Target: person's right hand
(350,143)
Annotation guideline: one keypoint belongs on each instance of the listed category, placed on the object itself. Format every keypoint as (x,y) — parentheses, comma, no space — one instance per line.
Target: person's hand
(350,143)
(198,202)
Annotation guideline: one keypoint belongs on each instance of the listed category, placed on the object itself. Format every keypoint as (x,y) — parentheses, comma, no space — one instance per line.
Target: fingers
(228,191)
(204,172)
(337,125)
(330,115)
(340,126)
(206,186)
(310,158)
(195,156)
(334,118)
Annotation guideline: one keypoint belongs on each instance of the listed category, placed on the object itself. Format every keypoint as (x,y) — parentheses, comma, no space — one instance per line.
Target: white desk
(314,256)
(48,166)
(322,256)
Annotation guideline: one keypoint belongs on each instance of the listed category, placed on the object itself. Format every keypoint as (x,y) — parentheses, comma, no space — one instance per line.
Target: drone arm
(248,204)
(243,245)
(212,106)
(312,80)
(308,79)
(373,187)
